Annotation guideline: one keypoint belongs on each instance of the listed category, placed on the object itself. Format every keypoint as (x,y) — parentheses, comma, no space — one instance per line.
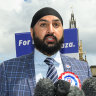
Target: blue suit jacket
(17,76)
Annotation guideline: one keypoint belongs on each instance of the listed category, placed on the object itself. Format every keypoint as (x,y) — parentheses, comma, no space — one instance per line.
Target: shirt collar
(41,57)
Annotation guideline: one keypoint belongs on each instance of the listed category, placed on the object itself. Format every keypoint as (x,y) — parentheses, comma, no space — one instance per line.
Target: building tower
(72,21)
(81,53)
(72,24)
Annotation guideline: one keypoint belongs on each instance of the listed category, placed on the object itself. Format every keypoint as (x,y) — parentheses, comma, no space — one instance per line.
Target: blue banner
(24,42)
(70,41)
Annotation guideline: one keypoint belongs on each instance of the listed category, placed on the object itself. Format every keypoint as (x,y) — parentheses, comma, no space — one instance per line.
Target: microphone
(89,86)
(44,87)
(61,87)
(64,88)
(75,91)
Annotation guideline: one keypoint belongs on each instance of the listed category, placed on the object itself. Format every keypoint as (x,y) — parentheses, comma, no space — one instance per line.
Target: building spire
(72,21)
(81,52)
(72,24)
(85,58)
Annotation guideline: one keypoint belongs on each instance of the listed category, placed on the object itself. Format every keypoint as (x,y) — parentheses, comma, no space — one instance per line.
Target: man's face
(48,34)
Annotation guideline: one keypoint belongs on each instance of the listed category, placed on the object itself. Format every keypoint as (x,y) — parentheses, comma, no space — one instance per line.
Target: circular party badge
(71,77)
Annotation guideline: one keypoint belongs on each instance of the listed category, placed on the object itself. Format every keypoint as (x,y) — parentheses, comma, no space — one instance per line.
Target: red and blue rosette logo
(71,77)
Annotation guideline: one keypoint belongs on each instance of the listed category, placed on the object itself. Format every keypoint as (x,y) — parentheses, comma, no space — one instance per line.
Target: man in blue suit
(18,76)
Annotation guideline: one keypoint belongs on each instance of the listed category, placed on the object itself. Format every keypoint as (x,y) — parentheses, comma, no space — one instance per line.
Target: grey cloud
(12,22)
(88,41)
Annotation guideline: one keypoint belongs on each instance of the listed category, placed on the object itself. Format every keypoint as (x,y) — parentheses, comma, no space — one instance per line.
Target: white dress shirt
(41,67)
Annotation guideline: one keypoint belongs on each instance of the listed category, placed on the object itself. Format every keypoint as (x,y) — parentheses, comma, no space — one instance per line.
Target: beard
(44,47)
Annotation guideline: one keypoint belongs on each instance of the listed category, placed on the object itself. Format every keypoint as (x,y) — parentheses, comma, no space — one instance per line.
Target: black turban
(43,12)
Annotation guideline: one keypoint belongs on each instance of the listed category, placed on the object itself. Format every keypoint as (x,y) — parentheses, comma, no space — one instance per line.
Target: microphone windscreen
(44,87)
(89,86)
(75,91)
(61,88)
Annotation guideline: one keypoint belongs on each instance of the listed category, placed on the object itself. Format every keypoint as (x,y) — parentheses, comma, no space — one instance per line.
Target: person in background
(18,76)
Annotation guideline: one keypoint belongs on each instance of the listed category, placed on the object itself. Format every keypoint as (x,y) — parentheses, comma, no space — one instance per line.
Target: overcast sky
(16,16)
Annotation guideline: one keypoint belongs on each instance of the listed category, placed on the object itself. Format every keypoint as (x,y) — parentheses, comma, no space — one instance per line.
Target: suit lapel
(30,73)
(66,63)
